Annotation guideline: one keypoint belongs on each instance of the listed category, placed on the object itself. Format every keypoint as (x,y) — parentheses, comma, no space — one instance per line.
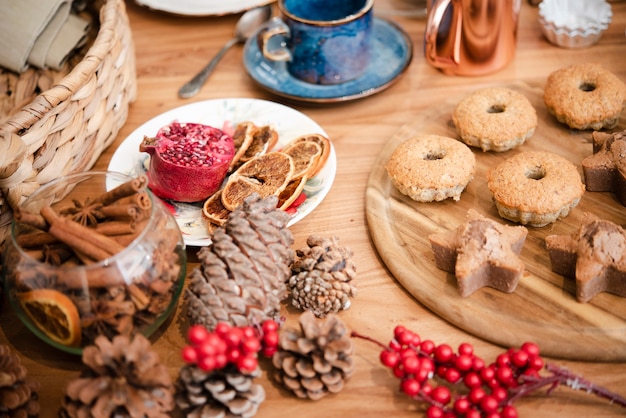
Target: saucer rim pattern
(258,73)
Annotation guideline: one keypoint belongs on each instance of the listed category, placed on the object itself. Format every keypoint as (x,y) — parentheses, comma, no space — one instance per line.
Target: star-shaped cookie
(605,169)
(481,252)
(595,256)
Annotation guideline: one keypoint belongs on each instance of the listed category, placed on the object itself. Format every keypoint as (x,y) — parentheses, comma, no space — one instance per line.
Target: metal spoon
(248,23)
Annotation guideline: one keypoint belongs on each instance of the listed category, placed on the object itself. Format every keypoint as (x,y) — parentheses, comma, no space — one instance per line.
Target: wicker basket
(65,128)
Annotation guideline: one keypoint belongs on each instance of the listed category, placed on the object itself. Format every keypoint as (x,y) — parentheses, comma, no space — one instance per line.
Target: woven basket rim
(76,78)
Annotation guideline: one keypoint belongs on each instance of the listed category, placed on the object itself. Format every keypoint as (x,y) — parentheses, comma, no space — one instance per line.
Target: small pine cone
(316,359)
(124,378)
(322,277)
(219,393)
(242,274)
(18,393)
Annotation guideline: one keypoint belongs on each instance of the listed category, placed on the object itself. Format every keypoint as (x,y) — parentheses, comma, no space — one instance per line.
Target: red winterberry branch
(228,345)
(459,383)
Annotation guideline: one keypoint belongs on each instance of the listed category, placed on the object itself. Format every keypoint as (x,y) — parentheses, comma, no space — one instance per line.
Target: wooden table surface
(170,49)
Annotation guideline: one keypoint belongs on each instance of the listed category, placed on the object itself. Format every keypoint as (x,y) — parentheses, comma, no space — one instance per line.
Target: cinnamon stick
(127,211)
(80,238)
(32,219)
(125,189)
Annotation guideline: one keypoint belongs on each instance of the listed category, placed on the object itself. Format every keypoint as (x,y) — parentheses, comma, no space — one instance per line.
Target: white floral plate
(224,114)
(202,7)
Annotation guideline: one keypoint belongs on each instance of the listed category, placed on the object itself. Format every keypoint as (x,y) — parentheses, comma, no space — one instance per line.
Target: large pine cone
(316,359)
(242,274)
(124,378)
(18,393)
(216,394)
(322,277)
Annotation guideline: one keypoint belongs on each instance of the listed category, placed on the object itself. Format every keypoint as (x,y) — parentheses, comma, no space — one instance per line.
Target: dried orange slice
(53,313)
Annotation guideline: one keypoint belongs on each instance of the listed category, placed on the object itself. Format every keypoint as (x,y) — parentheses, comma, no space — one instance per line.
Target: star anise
(85,213)
(108,317)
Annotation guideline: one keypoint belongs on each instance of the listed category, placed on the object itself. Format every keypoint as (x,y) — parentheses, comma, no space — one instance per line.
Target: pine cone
(124,378)
(316,359)
(18,393)
(242,274)
(220,393)
(322,275)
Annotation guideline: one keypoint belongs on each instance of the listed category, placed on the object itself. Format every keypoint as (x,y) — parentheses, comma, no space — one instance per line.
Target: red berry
(207,363)
(269,326)
(509,411)
(190,355)
(411,364)
(489,404)
(247,363)
(472,380)
(249,332)
(434,412)
(395,345)
(398,372)
(398,331)
(466,349)
(410,386)
(389,358)
(427,389)
(269,351)
(473,413)
(233,355)
(464,362)
(251,345)
(441,371)
(499,393)
(478,363)
(476,395)
(535,363)
(441,394)
(503,359)
(427,346)
(461,405)
(504,374)
(270,339)
(407,352)
(233,337)
(422,375)
(452,375)
(222,328)
(205,349)
(520,358)
(407,338)
(531,348)
(197,334)
(221,361)
(443,353)
(428,364)
(488,373)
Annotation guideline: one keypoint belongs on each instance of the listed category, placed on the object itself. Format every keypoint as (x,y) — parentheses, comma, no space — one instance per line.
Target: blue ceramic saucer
(392,52)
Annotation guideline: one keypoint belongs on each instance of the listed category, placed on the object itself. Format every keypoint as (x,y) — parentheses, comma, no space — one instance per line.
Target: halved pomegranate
(188,161)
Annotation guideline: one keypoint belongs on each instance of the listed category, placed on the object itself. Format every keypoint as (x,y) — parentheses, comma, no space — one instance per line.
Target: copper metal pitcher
(471,37)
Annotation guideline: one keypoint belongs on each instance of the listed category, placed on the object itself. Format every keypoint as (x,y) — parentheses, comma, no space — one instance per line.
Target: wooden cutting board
(543,309)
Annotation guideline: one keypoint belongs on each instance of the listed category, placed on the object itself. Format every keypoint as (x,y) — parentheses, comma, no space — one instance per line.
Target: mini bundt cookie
(535,188)
(585,96)
(481,252)
(431,168)
(595,256)
(495,119)
(605,169)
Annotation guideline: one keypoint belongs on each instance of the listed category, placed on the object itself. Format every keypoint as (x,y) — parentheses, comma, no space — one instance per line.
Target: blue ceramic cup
(323,41)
